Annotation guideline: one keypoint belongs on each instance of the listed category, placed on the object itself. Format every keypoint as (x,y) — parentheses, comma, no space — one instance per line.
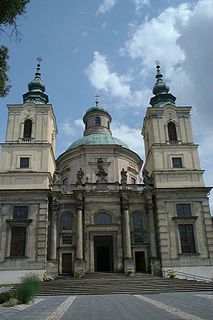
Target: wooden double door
(67,263)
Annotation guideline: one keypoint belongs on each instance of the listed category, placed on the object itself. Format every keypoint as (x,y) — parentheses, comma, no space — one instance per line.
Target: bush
(5,296)
(28,288)
(11,302)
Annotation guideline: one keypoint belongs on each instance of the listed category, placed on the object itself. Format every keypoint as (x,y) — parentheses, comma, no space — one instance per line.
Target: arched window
(67,221)
(172,131)
(103,218)
(137,224)
(27,128)
(97,121)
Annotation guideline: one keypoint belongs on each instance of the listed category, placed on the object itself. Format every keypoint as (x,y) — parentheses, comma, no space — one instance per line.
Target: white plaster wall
(13,277)
(202,271)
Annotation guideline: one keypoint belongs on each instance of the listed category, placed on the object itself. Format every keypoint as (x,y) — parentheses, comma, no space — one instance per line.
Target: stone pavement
(166,306)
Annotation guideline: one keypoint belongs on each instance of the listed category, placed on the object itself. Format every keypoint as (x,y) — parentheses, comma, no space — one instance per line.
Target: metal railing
(170,273)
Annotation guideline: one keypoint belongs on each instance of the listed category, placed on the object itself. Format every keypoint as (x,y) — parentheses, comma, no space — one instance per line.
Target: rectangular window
(24,162)
(183,210)
(18,241)
(20,212)
(187,238)
(66,239)
(177,162)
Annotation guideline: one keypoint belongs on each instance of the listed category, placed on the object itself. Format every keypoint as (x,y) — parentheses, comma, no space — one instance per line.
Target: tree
(9,10)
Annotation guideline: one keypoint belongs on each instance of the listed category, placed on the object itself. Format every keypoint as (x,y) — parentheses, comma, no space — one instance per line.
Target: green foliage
(11,302)
(27,289)
(4,87)
(5,296)
(10,9)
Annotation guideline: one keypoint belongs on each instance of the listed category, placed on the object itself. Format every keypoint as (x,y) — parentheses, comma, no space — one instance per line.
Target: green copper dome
(97,139)
(96,108)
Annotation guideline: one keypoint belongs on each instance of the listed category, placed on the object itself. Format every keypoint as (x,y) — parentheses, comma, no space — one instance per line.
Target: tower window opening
(177,162)
(172,132)
(97,121)
(27,129)
(24,162)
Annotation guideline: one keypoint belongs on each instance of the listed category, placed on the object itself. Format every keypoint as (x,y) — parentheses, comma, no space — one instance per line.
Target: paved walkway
(166,306)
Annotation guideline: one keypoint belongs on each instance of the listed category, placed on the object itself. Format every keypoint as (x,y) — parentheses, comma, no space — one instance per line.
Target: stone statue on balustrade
(56,177)
(123,177)
(80,177)
(101,174)
(147,180)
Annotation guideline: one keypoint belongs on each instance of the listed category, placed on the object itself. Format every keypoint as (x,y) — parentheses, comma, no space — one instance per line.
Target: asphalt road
(165,306)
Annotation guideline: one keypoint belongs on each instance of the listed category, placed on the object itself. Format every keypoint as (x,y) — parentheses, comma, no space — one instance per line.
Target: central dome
(97,139)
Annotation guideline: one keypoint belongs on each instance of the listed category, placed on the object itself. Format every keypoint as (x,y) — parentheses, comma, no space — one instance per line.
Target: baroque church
(93,209)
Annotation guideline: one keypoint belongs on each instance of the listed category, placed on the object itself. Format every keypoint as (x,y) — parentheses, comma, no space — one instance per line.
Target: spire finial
(161,90)
(96,100)
(158,75)
(38,73)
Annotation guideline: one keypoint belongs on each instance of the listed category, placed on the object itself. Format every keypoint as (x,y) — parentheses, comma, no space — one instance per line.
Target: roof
(97,139)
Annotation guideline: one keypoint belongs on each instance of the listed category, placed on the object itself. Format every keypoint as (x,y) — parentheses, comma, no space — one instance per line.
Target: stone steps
(102,283)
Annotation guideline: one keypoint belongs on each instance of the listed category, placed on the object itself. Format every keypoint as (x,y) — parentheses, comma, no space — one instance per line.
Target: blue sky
(108,47)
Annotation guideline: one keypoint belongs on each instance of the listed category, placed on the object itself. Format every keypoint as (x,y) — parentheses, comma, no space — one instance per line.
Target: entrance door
(140,264)
(103,249)
(66,262)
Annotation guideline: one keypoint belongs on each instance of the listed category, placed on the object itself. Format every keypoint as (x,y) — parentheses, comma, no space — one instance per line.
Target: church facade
(89,210)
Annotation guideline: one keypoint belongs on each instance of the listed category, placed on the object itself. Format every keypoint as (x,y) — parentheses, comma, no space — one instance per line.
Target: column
(79,233)
(128,261)
(79,264)
(53,242)
(152,231)
(127,237)
(155,261)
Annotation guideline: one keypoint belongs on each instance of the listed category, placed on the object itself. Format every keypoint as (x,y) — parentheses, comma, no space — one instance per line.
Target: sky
(109,48)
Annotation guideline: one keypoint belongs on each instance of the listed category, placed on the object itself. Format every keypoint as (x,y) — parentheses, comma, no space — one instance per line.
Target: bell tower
(172,158)
(180,199)
(28,154)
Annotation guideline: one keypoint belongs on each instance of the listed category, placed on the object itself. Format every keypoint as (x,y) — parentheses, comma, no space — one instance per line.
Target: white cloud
(156,39)
(139,4)
(67,129)
(102,78)
(79,123)
(106,6)
(131,136)
(71,129)
(84,34)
